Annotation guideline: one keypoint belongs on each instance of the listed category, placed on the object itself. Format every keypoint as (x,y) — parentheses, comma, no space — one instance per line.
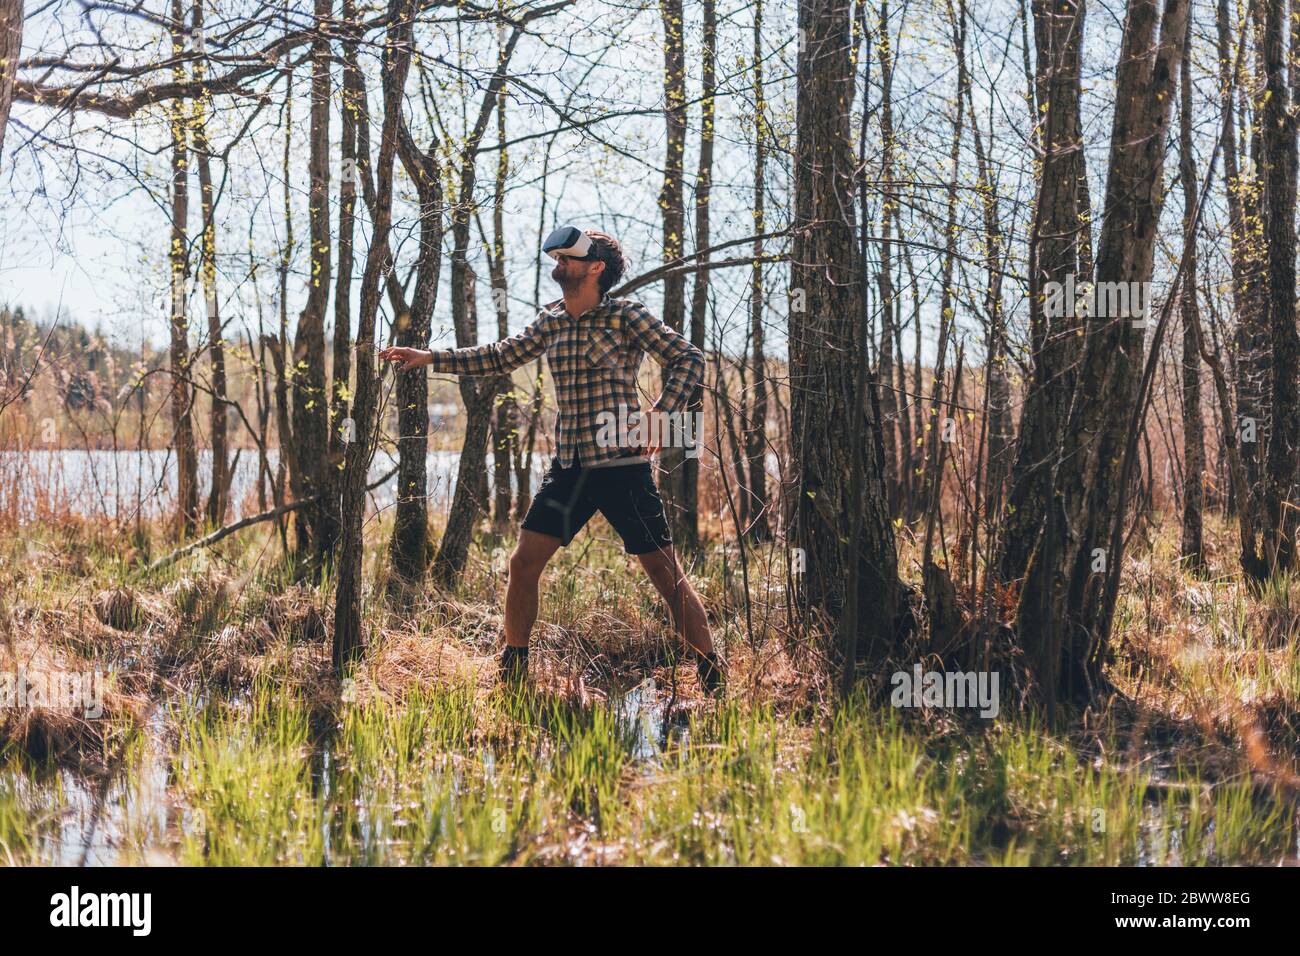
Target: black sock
(709,670)
(514,665)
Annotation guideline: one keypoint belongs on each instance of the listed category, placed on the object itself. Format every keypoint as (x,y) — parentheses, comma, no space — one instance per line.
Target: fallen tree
(243,523)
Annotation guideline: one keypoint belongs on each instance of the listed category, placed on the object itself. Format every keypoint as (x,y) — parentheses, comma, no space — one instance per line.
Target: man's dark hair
(609,252)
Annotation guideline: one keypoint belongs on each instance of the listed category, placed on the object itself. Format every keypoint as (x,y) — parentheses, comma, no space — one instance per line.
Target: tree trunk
(410,543)
(1057,261)
(1279,143)
(889,399)
(834,480)
(505,423)
(933,487)
(469,499)
(1245,226)
(688,491)
(316,526)
(996,381)
(1062,619)
(467,502)
(672,204)
(11,42)
(217,494)
(182,395)
(1193,549)
(348,637)
(286,471)
(755,427)
(352,110)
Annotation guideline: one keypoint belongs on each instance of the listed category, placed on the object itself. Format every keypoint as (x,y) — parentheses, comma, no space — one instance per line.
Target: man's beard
(566,281)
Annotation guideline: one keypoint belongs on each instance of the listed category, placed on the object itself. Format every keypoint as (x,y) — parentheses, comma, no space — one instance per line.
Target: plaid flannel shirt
(594,360)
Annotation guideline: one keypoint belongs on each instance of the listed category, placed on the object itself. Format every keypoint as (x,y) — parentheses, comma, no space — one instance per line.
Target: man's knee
(525,564)
(665,575)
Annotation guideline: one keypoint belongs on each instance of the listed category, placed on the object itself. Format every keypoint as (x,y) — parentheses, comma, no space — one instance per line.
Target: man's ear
(600,267)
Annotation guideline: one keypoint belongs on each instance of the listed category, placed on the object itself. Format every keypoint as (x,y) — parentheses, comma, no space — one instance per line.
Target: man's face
(571,273)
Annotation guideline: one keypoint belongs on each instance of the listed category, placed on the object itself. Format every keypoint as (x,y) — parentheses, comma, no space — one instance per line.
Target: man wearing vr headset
(593,346)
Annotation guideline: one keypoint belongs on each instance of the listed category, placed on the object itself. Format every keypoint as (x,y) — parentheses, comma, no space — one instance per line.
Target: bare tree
(1242,187)
(1064,620)
(1193,548)
(755,428)
(505,423)
(1279,127)
(478,394)
(1059,258)
(316,525)
(672,206)
(216,507)
(889,397)
(844,574)
(349,640)
(182,392)
(409,548)
(688,523)
(353,113)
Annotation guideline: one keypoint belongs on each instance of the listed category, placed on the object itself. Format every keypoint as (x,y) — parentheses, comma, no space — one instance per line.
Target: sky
(87,231)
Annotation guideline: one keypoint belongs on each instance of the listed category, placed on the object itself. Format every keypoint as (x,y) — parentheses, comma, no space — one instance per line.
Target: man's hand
(410,358)
(654,425)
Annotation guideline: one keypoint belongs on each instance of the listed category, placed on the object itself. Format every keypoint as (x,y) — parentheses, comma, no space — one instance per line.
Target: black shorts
(625,494)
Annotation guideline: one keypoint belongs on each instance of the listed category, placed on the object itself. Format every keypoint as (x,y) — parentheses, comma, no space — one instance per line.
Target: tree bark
(889,399)
(410,544)
(688,491)
(1249,255)
(755,427)
(1193,548)
(1062,619)
(11,42)
(217,494)
(182,394)
(672,205)
(505,423)
(1278,126)
(1058,255)
(469,498)
(996,380)
(349,641)
(316,526)
(286,471)
(352,110)
(834,480)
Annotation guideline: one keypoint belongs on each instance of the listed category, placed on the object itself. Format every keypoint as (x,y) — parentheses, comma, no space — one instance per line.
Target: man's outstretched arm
(682,362)
(495,358)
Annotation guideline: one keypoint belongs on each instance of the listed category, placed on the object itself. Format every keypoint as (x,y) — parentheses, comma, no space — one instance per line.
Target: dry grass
(55,730)
(1204,690)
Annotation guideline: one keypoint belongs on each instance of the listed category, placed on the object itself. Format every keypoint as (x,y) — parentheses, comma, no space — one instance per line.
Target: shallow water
(120,484)
(141,816)
(133,816)
(644,712)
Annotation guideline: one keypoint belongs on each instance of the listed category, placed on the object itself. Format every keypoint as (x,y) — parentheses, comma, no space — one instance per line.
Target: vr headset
(569,241)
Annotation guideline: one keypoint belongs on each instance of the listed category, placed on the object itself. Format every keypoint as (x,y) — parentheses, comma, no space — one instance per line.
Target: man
(593,345)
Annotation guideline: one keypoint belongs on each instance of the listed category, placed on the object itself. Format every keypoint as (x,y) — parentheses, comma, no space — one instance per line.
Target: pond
(120,484)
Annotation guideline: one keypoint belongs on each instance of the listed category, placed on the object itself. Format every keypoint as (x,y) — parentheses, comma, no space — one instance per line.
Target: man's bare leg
(686,606)
(526,566)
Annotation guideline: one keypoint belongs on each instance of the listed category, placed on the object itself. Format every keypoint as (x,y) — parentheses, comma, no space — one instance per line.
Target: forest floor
(224,739)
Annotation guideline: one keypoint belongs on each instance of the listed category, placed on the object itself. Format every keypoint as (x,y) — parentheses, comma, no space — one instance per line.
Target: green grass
(443,776)
(244,771)
(31,805)
(426,767)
